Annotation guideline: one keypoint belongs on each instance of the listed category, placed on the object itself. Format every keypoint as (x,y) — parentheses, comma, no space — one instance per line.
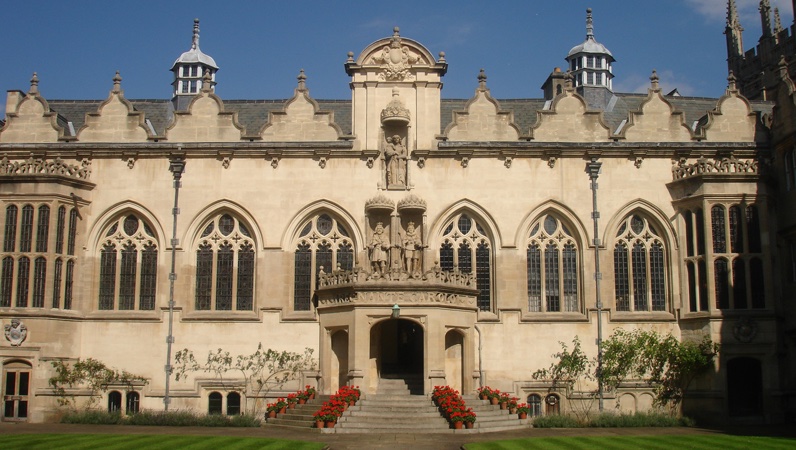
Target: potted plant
(281,404)
(325,417)
(271,410)
(302,397)
(310,391)
(469,418)
(457,419)
(513,405)
(291,400)
(503,399)
(523,409)
(484,392)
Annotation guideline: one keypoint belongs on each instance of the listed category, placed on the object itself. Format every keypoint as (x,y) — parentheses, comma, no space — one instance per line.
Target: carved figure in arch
(412,249)
(379,250)
(395,155)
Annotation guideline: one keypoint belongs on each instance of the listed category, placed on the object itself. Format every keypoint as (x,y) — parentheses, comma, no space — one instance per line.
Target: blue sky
(76,47)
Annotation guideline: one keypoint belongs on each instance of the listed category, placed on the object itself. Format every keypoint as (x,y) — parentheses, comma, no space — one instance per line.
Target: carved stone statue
(395,156)
(412,249)
(379,250)
(16,332)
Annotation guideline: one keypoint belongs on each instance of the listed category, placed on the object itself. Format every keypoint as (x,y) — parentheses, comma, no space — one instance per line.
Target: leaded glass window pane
(70,246)
(345,256)
(302,278)
(39,280)
(703,285)
(569,262)
(43,228)
(717,222)
(130,225)
(482,276)
(621,283)
(639,260)
(758,285)
(70,271)
(26,229)
(7,280)
(323,258)
(689,233)
(446,256)
(700,235)
(23,278)
(127,275)
(107,276)
(204,277)
(550,225)
(753,229)
(245,295)
(57,274)
(739,284)
(722,279)
(736,234)
(226,224)
(224,271)
(59,230)
(10,236)
(552,277)
(464,224)
(692,286)
(324,224)
(465,258)
(534,276)
(658,277)
(149,275)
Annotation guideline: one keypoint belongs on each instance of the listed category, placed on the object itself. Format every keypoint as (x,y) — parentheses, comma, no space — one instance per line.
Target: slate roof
(253,114)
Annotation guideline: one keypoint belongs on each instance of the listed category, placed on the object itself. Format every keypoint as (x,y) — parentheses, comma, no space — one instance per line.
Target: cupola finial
(117,82)
(654,80)
(302,81)
(34,84)
(195,42)
(589,24)
(482,80)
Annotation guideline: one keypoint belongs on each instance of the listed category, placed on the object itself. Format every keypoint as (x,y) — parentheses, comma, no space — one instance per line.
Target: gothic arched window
(466,245)
(225,266)
(552,267)
(639,266)
(323,242)
(128,265)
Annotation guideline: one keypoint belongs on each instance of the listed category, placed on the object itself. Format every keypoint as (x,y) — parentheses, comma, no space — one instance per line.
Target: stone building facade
(400,232)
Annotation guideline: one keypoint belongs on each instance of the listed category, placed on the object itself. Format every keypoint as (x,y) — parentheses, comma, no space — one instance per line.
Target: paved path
(384,441)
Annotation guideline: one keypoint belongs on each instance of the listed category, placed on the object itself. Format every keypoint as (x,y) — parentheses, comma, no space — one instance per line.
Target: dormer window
(590,61)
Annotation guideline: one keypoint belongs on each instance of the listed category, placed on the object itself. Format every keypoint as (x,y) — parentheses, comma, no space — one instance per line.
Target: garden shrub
(92,417)
(556,421)
(179,418)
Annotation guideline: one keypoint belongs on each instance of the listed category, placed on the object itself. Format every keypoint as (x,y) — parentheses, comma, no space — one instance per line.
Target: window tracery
(128,265)
(552,272)
(225,266)
(323,242)
(466,246)
(639,266)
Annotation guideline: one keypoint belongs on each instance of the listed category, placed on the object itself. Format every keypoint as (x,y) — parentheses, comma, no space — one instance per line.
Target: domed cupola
(189,69)
(590,62)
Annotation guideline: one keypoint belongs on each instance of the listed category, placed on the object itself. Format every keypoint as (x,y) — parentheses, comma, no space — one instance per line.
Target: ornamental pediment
(393,58)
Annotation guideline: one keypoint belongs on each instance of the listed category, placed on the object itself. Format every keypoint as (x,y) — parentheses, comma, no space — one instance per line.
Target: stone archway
(339,360)
(744,387)
(454,361)
(398,348)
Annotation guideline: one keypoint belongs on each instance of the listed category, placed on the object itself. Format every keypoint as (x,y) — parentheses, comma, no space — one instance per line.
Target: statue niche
(394,151)
(412,250)
(379,251)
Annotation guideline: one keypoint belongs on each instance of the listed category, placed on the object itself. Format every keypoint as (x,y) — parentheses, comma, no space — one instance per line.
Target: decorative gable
(205,120)
(567,120)
(301,119)
(733,119)
(482,119)
(656,120)
(115,120)
(29,119)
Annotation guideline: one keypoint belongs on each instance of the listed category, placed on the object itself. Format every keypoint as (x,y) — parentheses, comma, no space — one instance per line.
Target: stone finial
(783,67)
(207,81)
(654,80)
(589,24)
(396,32)
(442,57)
(34,84)
(765,17)
(568,79)
(195,41)
(482,80)
(732,14)
(117,82)
(731,82)
(350,57)
(777,22)
(302,81)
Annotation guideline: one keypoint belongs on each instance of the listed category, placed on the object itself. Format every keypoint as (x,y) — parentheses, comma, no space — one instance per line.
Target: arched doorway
(454,362)
(744,387)
(16,387)
(339,360)
(397,345)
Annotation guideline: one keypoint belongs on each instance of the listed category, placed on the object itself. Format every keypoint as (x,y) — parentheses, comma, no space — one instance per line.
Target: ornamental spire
(117,82)
(34,84)
(195,42)
(765,17)
(589,24)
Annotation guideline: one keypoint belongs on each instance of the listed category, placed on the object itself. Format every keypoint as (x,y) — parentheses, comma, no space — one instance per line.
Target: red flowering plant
(350,393)
(280,403)
(469,416)
(333,408)
(523,408)
(513,402)
(485,391)
(451,405)
(326,414)
(309,391)
(292,398)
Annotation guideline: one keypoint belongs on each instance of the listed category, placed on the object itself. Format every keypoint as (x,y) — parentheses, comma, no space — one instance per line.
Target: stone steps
(394,410)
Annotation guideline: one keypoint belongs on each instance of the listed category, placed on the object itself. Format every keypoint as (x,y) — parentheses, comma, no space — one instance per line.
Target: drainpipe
(176,167)
(593,169)
(480,360)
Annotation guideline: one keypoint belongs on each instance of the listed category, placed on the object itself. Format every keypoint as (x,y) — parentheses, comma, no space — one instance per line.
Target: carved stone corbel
(130,162)
(322,162)
(274,162)
(225,162)
(639,160)
(551,162)
(370,162)
(465,161)
(508,161)
(421,161)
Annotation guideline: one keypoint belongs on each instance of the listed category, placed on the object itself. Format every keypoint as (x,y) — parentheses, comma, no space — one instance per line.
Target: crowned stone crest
(412,202)
(379,202)
(16,332)
(395,110)
(745,330)
(396,59)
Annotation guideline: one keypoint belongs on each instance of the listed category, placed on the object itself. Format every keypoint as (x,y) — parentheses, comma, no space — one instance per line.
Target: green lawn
(135,441)
(666,442)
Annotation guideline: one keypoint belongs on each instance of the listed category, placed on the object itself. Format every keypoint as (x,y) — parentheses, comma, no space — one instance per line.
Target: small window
(214,401)
(114,401)
(233,404)
(552,404)
(133,402)
(535,404)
